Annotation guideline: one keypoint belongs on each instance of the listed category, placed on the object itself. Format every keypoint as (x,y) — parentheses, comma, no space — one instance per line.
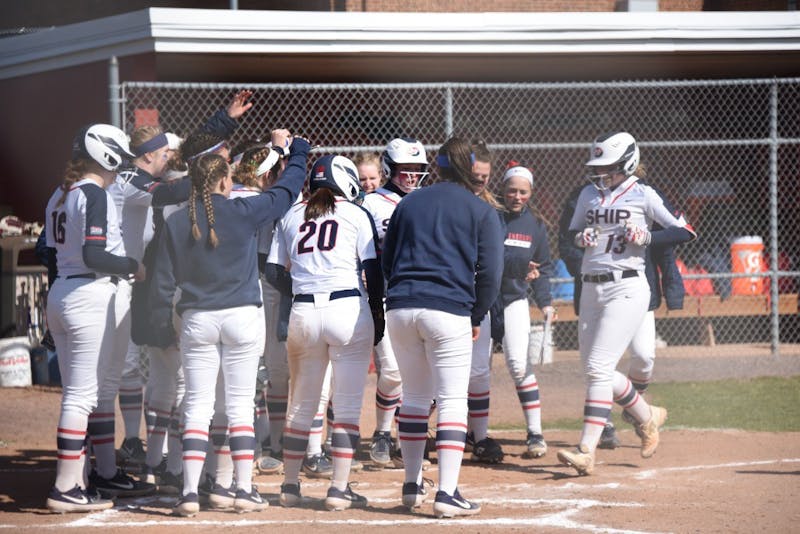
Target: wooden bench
(705,307)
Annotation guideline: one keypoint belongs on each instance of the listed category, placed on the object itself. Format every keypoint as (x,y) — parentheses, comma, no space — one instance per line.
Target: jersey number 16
(59,221)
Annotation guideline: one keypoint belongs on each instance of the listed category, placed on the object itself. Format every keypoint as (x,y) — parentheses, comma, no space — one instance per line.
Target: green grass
(770,404)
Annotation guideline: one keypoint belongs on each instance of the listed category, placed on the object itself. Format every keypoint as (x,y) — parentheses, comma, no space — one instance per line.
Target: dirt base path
(699,481)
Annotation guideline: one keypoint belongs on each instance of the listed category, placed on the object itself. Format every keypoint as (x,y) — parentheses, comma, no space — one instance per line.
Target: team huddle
(260,308)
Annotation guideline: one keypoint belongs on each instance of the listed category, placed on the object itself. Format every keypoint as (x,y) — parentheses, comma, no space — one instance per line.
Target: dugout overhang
(201,44)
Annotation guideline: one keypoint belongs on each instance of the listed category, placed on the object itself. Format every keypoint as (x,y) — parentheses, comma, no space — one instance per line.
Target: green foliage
(768,404)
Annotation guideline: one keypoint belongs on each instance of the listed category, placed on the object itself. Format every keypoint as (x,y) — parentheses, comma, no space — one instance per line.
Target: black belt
(333,296)
(608,277)
(93,276)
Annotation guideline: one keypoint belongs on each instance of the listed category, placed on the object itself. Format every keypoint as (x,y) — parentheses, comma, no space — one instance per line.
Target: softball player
(257,171)
(439,290)
(369,171)
(611,221)
(135,192)
(150,147)
(327,241)
(84,230)
(527,263)
(210,254)
(484,448)
(404,164)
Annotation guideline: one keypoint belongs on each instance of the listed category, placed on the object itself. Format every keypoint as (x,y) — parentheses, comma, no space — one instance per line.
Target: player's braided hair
(197,142)
(206,172)
(321,202)
(75,170)
(459,155)
(246,171)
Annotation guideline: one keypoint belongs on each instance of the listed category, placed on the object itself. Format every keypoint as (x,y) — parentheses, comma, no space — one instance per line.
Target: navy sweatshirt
(225,276)
(525,241)
(443,250)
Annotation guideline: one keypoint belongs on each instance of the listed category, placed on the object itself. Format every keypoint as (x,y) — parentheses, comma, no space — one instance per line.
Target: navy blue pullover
(225,276)
(443,250)
(525,241)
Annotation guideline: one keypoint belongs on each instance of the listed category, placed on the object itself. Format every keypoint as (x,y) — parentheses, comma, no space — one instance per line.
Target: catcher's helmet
(617,149)
(103,143)
(405,150)
(337,173)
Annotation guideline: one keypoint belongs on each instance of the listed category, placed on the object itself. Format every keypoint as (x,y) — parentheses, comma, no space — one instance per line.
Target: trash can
(747,256)
(15,362)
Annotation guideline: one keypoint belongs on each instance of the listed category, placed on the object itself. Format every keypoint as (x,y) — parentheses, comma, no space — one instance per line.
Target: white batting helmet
(103,143)
(404,150)
(616,148)
(337,173)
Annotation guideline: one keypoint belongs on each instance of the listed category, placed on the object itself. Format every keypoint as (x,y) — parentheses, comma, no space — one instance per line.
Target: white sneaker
(580,459)
(650,430)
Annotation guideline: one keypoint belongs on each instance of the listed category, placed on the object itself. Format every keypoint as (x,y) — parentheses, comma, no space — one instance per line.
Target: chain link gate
(726,152)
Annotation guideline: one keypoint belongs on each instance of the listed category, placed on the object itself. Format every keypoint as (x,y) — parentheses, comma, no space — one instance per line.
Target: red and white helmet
(616,149)
(103,143)
(400,151)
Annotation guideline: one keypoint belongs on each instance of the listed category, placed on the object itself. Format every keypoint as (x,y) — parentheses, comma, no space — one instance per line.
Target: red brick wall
(745,5)
(480,5)
(680,5)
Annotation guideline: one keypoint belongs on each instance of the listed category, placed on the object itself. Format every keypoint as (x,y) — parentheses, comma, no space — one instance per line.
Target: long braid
(193,214)
(212,234)
(206,172)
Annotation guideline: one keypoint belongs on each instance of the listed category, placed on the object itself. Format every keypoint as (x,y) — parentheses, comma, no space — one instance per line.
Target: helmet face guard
(402,151)
(409,181)
(598,177)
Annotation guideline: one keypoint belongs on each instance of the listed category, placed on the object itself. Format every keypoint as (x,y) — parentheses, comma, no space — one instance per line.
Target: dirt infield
(699,481)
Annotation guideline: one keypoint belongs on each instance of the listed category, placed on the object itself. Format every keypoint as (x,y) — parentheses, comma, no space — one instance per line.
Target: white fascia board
(199,31)
(76,44)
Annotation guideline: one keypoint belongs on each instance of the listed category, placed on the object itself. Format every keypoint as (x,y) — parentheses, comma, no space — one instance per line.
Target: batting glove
(636,234)
(586,238)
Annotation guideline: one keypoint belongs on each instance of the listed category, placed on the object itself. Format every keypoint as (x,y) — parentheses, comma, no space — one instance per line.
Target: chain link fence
(726,152)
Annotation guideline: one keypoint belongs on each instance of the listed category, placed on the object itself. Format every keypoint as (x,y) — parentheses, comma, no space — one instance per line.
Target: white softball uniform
(381,205)
(615,294)
(81,315)
(329,322)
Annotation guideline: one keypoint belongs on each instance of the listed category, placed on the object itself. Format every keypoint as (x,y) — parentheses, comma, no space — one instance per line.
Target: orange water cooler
(747,256)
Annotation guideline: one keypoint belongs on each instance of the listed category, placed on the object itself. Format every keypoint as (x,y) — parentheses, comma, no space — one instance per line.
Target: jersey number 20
(326,238)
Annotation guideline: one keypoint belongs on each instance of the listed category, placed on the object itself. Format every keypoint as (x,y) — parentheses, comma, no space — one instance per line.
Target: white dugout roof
(182,33)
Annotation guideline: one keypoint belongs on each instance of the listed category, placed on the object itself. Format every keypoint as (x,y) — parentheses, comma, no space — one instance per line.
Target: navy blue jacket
(225,276)
(529,234)
(443,250)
